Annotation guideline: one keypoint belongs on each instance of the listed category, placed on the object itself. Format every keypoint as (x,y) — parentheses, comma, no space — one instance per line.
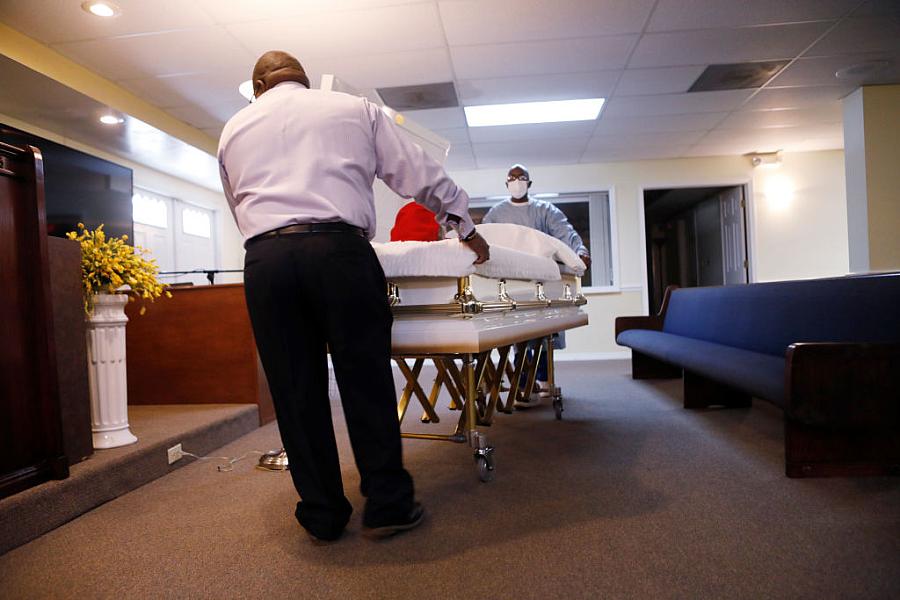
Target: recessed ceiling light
(548,195)
(101,9)
(556,111)
(861,70)
(246,90)
(110,119)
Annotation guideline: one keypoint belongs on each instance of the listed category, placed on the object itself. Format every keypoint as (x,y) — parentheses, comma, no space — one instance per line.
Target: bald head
(275,67)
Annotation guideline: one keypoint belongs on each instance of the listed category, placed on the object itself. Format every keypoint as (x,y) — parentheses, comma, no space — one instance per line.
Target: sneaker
(543,389)
(533,400)
(413,520)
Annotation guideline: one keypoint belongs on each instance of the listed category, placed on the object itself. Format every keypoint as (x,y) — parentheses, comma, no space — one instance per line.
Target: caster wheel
(558,409)
(485,468)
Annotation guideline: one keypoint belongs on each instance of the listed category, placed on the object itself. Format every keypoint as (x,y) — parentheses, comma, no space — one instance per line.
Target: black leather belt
(335,227)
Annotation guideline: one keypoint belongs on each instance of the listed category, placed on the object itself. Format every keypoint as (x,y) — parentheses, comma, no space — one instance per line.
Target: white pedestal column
(106,372)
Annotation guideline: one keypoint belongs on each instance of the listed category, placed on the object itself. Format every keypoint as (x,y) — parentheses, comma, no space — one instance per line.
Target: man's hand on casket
(479,246)
(586,260)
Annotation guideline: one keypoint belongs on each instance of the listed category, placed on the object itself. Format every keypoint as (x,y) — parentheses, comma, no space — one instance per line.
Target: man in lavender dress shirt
(297,167)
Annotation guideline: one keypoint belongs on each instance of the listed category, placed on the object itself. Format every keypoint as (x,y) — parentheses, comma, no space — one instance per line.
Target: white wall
(230,251)
(804,237)
(804,233)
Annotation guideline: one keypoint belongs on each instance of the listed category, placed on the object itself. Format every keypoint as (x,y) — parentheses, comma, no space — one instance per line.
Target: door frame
(749,215)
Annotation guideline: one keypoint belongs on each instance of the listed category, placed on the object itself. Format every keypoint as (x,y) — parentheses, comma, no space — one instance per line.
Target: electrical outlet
(175,453)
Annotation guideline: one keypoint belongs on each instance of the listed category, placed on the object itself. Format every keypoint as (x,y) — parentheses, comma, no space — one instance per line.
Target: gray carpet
(110,473)
(629,496)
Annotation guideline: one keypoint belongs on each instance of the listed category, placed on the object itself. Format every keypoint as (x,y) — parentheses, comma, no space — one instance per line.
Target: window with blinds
(591,216)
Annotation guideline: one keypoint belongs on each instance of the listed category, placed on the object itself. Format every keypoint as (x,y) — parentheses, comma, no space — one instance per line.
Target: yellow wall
(881,106)
(801,238)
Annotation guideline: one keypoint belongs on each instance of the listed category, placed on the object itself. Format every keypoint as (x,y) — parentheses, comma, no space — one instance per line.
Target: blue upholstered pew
(827,351)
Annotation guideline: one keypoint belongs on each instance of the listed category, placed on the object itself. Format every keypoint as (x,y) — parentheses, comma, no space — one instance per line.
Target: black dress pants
(304,292)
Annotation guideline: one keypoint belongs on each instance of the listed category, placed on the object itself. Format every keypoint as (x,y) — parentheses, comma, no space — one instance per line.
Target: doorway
(695,237)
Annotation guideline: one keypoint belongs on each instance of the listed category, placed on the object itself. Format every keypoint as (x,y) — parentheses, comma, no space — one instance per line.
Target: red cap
(415,223)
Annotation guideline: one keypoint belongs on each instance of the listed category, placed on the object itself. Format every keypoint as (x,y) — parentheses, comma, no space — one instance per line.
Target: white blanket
(450,258)
(531,241)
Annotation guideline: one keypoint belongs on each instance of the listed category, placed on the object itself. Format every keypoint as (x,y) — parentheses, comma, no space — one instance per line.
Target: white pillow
(531,241)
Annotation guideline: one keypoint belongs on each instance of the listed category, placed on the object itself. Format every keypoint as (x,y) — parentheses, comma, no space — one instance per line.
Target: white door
(153,217)
(734,246)
(194,242)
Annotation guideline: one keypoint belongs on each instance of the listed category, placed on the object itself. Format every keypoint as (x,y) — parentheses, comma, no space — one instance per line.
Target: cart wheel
(558,408)
(485,467)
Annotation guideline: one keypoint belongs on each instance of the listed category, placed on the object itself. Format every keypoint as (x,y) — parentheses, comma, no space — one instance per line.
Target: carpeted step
(107,474)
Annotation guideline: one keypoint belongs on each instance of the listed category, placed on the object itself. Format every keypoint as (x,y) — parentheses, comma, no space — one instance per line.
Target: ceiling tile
(548,152)
(722,46)
(796,97)
(53,22)
(675,104)
(671,15)
(821,70)
(208,88)
(469,22)
(831,112)
(336,34)
(867,34)
(658,123)
(809,137)
(535,131)
(538,58)
(878,8)
(386,70)
(622,154)
(169,53)
(646,140)
(460,157)
(667,80)
(564,86)
(242,11)
(456,135)
(438,118)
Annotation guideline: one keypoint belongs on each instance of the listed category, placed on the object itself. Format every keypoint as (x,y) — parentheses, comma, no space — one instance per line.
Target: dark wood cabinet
(196,347)
(31,443)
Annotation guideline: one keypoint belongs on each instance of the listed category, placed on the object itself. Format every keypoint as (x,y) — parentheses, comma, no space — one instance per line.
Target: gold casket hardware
(393,292)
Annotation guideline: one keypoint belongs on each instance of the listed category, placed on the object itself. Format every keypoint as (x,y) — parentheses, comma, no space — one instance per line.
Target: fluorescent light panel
(555,111)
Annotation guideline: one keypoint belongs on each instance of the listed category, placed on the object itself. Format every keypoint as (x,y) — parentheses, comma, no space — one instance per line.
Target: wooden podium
(196,348)
(31,441)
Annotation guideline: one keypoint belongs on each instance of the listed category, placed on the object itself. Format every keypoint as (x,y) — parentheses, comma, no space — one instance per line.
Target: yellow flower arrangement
(107,264)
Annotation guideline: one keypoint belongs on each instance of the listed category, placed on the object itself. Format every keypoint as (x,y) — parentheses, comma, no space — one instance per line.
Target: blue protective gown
(540,215)
(545,217)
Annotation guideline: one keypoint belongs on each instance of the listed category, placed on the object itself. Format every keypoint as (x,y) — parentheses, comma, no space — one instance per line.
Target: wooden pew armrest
(652,322)
(842,385)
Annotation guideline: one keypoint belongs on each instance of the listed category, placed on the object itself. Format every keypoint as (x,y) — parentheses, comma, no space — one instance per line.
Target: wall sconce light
(779,191)
(765,159)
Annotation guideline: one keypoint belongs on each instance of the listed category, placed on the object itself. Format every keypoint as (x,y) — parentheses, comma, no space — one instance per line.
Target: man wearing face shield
(547,218)
(297,168)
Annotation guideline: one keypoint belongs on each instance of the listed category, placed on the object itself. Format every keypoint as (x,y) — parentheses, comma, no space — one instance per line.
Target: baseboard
(564,356)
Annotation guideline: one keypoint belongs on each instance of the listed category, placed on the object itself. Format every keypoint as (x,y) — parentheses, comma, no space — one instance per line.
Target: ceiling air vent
(420,97)
(739,76)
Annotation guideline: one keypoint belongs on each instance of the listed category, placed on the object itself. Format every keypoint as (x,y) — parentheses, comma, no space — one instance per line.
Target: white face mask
(518,189)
